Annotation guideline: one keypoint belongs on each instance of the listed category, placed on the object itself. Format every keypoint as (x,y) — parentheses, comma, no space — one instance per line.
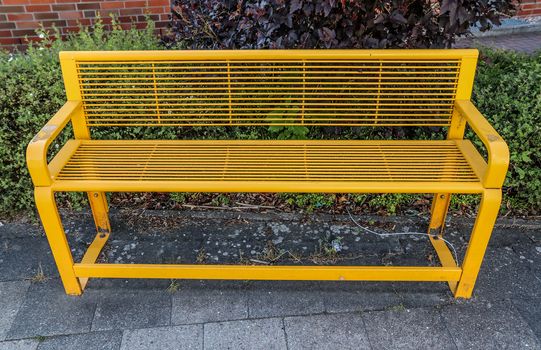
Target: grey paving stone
(261,334)
(358,296)
(48,311)
(126,309)
(344,331)
(407,329)
(488,326)
(11,298)
(86,341)
(504,275)
(26,344)
(151,284)
(207,304)
(530,310)
(21,257)
(164,338)
(423,294)
(278,298)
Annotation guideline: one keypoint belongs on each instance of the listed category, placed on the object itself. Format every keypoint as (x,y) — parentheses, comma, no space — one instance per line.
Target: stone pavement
(161,314)
(528,42)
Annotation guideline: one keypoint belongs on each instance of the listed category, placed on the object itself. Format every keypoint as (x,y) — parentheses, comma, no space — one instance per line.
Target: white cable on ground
(383,235)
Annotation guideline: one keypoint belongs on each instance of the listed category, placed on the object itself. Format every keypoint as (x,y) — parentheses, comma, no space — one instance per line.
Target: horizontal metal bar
(241,96)
(341,186)
(243,272)
(184,71)
(265,55)
(299,89)
(213,66)
(166,108)
(262,79)
(276,102)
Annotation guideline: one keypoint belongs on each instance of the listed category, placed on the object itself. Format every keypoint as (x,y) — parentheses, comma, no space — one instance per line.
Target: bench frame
(461,279)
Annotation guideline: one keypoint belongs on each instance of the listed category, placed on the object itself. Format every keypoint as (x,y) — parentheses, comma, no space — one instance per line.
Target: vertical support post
(464,86)
(56,236)
(482,229)
(72,81)
(100,212)
(440,206)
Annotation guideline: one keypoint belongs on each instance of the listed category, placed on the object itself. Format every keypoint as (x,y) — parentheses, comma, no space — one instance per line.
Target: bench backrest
(269,87)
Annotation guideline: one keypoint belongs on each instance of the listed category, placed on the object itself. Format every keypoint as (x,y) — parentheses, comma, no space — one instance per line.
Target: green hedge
(507,91)
(32,91)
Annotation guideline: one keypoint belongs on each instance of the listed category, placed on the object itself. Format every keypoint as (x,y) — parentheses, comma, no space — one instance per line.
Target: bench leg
(440,206)
(100,212)
(482,229)
(52,224)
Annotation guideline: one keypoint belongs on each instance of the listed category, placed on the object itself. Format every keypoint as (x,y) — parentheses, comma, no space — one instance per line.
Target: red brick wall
(530,8)
(20,18)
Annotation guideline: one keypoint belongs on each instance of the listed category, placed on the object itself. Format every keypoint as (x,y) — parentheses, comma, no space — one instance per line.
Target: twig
(260,261)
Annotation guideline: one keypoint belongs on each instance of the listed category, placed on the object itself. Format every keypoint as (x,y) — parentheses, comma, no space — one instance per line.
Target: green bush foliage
(32,91)
(508,92)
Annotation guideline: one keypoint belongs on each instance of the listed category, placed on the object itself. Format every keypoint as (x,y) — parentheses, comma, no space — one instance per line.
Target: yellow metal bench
(354,88)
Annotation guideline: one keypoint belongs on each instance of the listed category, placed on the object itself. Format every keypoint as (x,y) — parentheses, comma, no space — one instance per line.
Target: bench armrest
(498,152)
(36,152)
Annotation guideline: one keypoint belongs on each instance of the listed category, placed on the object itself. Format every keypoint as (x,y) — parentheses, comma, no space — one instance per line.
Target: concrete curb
(270,215)
(511,26)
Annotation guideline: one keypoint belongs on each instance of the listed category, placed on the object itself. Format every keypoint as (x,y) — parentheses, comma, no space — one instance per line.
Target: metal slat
(243,93)
(359,161)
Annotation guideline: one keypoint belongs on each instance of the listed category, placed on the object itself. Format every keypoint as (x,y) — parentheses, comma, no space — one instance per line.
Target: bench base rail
(461,279)
(283,272)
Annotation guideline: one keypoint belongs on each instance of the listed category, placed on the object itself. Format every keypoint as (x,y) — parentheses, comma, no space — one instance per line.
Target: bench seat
(259,166)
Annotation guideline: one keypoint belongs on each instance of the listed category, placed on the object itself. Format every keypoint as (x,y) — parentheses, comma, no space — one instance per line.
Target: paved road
(156,314)
(522,42)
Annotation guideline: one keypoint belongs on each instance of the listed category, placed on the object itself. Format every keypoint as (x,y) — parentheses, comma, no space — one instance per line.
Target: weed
(39,277)
(173,287)
(201,256)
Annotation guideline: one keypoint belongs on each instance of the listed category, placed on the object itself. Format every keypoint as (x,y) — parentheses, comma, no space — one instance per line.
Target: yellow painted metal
(273,87)
(36,152)
(498,152)
(62,157)
(93,253)
(477,163)
(73,93)
(440,205)
(464,89)
(56,236)
(269,88)
(445,256)
(243,272)
(267,186)
(100,212)
(482,229)
(212,161)
(268,55)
